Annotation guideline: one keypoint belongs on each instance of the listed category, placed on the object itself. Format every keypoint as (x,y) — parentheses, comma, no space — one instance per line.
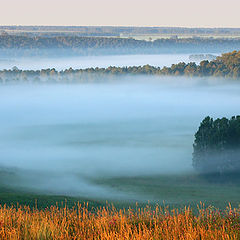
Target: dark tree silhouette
(217,145)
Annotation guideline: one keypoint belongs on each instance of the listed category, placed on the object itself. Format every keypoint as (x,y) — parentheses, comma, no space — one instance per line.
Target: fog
(57,138)
(62,63)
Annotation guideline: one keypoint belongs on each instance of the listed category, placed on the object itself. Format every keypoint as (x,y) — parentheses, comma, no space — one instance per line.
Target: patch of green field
(178,190)
(175,191)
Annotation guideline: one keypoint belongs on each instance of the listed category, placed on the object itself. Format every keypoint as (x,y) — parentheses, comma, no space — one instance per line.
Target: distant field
(146,37)
(139,33)
(180,36)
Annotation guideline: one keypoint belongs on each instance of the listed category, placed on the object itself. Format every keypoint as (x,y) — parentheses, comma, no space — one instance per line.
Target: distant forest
(227,65)
(12,41)
(12,45)
(115,31)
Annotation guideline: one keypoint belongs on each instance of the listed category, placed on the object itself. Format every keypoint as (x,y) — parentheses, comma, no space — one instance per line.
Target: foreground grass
(109,223)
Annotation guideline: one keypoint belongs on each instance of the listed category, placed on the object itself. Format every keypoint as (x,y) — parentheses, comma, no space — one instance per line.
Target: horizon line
(118,26)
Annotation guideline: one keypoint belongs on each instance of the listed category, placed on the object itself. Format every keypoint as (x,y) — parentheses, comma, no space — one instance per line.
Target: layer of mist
(62,63)
(57,138)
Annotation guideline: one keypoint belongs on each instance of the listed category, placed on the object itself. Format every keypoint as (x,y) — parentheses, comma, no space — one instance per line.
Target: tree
(216,146)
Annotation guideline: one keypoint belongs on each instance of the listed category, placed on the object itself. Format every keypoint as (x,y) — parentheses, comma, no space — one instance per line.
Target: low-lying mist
(59,137)
(102,61)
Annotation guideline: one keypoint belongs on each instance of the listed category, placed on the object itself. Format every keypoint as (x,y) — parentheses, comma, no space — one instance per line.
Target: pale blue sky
(186,13)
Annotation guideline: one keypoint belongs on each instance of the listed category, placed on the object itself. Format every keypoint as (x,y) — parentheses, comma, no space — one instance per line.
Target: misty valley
(119,120)
(110,137)
(124,141)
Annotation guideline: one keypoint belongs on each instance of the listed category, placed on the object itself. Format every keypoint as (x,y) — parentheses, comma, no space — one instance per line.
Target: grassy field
(175,191)
(185,206)
(179,190)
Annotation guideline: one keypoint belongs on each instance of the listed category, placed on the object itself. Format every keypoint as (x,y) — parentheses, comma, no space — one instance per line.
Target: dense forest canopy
(227,65)
(15,41)
(217,145)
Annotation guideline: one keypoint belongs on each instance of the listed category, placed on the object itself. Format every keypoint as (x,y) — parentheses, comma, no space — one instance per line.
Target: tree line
(227,65)
(116,31)
(21,41)
(111,45)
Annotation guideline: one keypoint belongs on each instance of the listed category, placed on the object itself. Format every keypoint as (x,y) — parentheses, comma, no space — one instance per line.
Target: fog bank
(69,134)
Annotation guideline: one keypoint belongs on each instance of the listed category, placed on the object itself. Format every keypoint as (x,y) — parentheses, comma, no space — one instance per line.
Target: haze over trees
(113,30)
(227,66)
(217,145)
(21,45)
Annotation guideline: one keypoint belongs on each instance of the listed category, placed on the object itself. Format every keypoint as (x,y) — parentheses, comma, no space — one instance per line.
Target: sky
(170,13)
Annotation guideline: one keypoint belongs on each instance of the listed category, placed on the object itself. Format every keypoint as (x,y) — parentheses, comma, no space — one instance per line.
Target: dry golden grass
(109,223)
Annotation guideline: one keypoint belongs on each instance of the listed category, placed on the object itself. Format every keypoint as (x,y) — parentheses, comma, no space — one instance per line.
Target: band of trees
(227,65)
(217,145)
(19,45)
(20,41)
